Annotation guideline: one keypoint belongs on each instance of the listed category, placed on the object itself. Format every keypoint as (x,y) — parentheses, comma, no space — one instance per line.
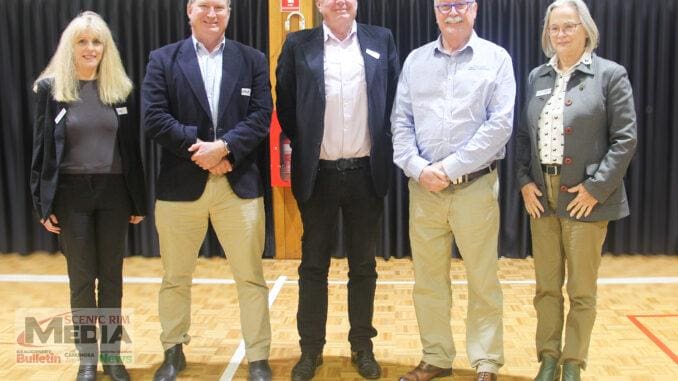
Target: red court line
(649,334)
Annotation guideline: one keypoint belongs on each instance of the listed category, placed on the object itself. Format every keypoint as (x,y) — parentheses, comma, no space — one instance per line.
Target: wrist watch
(225,147)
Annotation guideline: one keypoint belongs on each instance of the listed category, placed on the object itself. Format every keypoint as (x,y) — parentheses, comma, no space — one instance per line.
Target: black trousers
(350,192)
(93,213)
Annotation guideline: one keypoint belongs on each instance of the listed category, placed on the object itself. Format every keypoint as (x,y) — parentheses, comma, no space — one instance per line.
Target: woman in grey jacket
(574,144)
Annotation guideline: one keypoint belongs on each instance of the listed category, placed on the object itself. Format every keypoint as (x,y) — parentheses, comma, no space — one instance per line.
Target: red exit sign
(289,5)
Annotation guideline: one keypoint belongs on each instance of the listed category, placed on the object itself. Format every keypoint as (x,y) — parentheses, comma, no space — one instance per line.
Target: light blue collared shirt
(456,108)
(211,70)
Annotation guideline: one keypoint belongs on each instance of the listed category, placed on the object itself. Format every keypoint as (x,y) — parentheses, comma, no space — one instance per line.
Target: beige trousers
(557,244)
(239,225)
(468,214)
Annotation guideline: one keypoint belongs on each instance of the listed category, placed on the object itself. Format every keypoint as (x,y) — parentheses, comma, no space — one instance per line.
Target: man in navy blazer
(335,88)
(207,103)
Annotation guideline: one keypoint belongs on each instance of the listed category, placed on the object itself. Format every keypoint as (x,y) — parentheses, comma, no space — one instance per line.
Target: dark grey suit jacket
(600,136)
(301,102)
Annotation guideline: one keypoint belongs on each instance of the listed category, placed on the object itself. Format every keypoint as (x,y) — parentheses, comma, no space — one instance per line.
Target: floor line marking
(239,354)
(651,336)
(28,278)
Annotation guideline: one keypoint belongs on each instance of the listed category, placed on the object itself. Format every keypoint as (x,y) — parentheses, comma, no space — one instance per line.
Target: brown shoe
(486,376)
(425,372)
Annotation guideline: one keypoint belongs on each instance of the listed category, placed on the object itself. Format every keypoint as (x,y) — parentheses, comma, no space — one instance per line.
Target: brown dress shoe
(486,376)
(425,372)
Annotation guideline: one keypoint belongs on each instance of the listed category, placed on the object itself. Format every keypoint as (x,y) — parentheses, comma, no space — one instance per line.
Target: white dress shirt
(550,123)
(346,134)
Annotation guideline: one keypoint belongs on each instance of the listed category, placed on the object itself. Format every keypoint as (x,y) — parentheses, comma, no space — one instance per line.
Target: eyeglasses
(567,29)
(460,7)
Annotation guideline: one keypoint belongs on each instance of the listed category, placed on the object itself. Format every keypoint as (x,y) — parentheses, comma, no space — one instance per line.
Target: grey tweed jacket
(599,136)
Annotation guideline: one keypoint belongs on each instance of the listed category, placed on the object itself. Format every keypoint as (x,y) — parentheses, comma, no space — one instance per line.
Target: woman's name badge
(541,93)
(60,116)
(121,110)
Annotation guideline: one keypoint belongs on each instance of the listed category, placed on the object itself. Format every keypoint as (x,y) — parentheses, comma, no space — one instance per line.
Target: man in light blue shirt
(452,117)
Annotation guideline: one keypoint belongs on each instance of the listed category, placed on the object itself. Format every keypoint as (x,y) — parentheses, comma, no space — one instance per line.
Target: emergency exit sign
(289,5)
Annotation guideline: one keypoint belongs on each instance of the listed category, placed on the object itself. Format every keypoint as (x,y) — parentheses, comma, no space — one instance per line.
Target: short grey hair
(592,34)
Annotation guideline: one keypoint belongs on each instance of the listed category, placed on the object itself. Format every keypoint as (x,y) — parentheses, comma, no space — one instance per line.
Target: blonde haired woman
(87,179)
(574,144)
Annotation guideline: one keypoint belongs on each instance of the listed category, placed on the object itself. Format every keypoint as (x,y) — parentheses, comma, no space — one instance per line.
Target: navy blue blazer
(176,113)
(300,103)
(49,140)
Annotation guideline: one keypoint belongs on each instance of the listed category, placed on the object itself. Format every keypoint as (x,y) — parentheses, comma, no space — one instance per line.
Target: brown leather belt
(474,175)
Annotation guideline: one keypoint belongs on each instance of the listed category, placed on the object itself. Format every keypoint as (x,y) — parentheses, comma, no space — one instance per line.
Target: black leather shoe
(116,372)
(304,370)
(366,364)
(175,362)
(259,371)
(86,373)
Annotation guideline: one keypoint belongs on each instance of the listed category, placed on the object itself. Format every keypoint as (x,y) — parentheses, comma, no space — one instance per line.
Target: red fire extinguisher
(285,158)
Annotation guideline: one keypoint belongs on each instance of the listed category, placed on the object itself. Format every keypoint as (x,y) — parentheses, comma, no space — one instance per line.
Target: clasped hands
(211,156)
(433,178)
(581,206)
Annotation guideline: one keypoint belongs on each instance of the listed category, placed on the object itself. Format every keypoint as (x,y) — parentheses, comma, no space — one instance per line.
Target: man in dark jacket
(207,103)
(335,87)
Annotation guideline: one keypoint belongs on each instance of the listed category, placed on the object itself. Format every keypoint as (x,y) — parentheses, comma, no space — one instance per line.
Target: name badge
(373,53)
(121,110)
(60,116)
(541,93)
(246,92)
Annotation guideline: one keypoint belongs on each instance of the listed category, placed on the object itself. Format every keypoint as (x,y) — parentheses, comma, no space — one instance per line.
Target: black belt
(474,175)
(551,169)
(345,164)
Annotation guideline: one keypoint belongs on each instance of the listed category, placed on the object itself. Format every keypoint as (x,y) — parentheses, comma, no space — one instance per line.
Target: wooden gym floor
(635,336)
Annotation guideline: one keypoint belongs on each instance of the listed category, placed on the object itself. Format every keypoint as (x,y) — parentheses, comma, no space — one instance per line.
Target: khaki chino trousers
(559,244)
(239,225)
(468,214)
